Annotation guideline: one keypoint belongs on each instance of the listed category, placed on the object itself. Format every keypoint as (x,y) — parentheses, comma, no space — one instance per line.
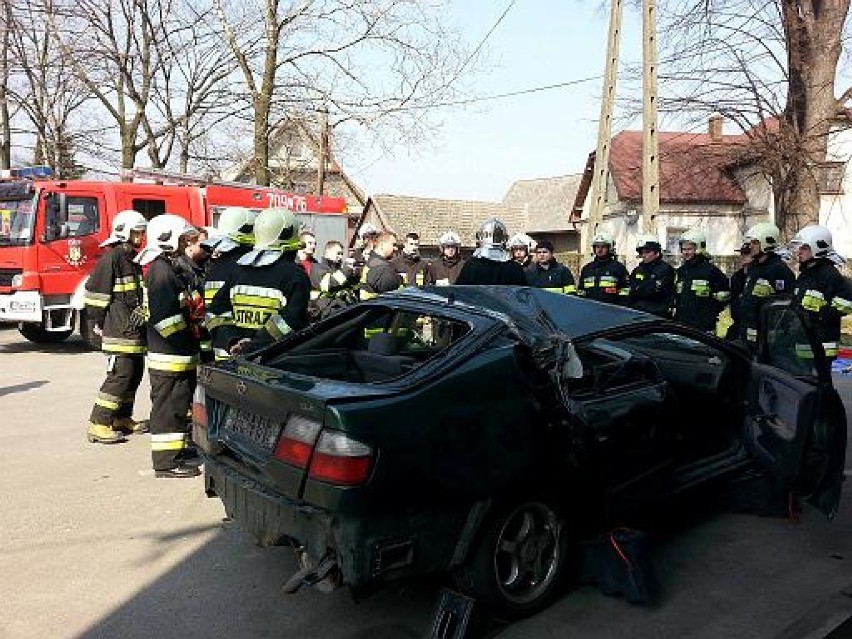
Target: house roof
(547,201)
(431,217)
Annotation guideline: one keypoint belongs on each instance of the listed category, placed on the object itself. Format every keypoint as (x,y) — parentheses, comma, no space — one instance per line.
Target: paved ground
(92,546)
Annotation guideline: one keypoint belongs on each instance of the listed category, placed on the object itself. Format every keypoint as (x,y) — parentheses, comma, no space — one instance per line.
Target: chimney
(715,127)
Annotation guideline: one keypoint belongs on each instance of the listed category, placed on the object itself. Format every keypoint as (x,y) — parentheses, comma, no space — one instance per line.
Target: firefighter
(367,236)
(549,274)
(114,302)
(410,266)
(381,277)
(267,296)
(445,270)
(604,279)
(520,249)
(192,263)
(701,289)
(820,291)
(767,277)
(652,282)
(172,345)
(737,286)
(233,238)
(490,263)
(334,283)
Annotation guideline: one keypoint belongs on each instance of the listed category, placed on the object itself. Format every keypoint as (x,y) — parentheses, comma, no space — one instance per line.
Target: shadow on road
(21,388)
(68,347)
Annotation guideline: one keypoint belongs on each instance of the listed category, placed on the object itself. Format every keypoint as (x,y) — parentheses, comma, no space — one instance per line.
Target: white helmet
(766,233)
(648,241)
(367,229)
(818,239)
(163,235)
(602,238)
(450,238)
(235,227)
(519,240)
(123,224)
(696,237)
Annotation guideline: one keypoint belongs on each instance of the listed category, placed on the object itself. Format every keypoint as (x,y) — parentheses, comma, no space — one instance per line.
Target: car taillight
(341,460)
(297,441)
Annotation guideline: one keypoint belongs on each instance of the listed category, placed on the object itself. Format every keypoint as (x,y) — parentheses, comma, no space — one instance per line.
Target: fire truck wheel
(92,339)
(35,333)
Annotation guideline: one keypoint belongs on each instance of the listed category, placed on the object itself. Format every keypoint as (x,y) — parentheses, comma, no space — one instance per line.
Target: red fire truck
(50,231)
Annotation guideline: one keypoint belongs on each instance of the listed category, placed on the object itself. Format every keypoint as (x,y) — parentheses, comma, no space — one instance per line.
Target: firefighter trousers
(118,392)
(171,396)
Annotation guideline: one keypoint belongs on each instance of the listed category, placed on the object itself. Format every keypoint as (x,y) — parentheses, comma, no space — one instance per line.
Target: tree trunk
(261,140)
(128,149)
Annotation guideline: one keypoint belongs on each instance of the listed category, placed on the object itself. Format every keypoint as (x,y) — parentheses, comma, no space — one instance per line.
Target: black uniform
(333,287)
(766,278)
(701,292)
(262,303)
(172,359)
(380,277)
(221,269)
(194,275)
(411,268)
(443,271)
(652,287)
(737,287)
(825,296)
(482,271)
(553,276)
(604,280)
(114,302)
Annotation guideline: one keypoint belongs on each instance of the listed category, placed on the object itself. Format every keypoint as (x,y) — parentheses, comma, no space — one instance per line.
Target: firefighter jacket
(332,287)
(411,269)
(221,269)
(825,296)
(114,300)
(553,276)
(381,277)
(766,279)
(263,303)
(701,292)
(604,280)
(443,271)
(171,308)
(482,271)
(652,287)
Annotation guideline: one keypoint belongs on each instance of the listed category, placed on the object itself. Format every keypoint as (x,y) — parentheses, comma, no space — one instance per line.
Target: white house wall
(836,210)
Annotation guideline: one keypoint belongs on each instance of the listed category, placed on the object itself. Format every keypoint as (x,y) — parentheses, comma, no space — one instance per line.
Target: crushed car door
(795,422)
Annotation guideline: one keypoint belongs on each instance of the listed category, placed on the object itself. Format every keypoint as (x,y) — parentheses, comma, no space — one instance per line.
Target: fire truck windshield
(17,221)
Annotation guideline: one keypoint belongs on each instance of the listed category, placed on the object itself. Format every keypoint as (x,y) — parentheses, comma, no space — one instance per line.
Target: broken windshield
(17,221)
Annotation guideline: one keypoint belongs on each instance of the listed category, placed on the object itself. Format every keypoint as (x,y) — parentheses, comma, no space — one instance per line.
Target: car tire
(516,566)
(36,333)
(92,339)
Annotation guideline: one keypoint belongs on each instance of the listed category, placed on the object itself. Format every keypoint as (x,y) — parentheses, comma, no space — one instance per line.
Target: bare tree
(366,61)
(769,66)
(6,22)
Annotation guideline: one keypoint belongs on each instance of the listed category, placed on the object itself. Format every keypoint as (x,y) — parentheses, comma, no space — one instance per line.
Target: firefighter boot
(126,426)
(102,434)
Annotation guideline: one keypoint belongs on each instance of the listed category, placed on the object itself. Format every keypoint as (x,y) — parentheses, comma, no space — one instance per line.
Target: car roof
(538,310)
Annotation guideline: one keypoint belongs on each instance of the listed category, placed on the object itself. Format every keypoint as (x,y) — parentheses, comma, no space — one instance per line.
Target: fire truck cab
(50,231)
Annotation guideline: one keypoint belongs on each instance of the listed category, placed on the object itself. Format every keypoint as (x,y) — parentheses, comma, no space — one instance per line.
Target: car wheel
(517,565)
(36,333)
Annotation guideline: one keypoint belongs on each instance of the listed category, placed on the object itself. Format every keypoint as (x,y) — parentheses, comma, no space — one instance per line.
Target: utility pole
(322,160)
(601,168)
(650,139)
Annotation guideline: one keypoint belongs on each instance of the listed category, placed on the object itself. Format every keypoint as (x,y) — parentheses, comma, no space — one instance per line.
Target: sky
(482,148)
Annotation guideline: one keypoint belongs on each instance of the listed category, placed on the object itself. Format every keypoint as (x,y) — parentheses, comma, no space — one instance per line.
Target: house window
(673,234)
(830,177)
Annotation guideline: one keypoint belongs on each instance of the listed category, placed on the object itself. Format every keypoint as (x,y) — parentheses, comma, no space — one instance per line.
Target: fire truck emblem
(75,255)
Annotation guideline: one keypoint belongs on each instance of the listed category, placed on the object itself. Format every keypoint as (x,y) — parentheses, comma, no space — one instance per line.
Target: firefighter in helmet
(520,249)
(173,344)
(822,293)
(491,264)
(652,282)
(114,303)
(604,279)
(768,277)
(267,296)
(702,290)
(445,270)
(233,238)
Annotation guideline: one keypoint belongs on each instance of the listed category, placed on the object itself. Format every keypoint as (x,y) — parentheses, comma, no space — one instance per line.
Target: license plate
(250,427)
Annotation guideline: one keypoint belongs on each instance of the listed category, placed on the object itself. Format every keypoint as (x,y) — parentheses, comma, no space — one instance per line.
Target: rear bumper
(21,306)
(370,548)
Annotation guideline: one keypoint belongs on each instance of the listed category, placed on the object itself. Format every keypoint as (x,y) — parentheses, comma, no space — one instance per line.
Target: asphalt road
(92,546)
